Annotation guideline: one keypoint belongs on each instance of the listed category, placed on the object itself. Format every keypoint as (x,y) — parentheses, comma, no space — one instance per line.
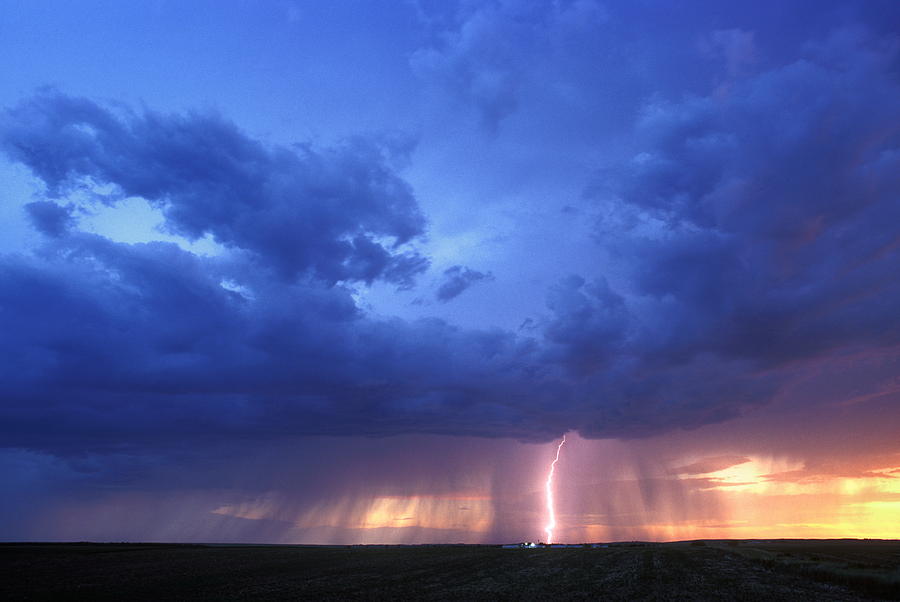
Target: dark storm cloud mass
(457,279)
(337,213)
(775,203)
(757,230)
(49,218)
(486,54)
(589,323)
(111,346)
(752,229)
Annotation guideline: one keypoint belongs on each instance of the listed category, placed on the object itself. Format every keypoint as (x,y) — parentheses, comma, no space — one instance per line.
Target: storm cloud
(773,207)
(132,345)
(758,216)
(457,279)
(340,213)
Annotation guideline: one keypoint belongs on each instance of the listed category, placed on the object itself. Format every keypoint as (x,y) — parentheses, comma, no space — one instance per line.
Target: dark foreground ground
(772,570)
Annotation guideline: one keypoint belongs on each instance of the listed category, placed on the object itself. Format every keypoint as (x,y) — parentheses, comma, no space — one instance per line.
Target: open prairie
(773,570)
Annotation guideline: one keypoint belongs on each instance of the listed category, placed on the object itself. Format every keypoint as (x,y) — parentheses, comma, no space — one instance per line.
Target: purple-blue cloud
(485,55)
(339,213)
(50,218)
(113,346)
(773,204)
(762,237)
(457,279)
(755,229)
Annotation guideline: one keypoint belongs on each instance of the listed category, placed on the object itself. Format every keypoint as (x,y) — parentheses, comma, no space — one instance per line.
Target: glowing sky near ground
(346,272)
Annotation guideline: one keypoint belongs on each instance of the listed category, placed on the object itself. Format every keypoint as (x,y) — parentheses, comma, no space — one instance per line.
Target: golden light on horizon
(781,499)
(733,496)
(467,512)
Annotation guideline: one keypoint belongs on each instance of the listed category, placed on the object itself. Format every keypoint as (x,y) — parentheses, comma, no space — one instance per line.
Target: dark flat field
(724,570)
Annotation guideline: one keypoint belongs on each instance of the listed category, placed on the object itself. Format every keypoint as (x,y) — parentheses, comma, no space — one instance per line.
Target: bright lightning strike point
(551,511)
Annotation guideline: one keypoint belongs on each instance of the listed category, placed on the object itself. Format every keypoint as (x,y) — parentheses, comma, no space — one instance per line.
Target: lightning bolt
(551,511)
